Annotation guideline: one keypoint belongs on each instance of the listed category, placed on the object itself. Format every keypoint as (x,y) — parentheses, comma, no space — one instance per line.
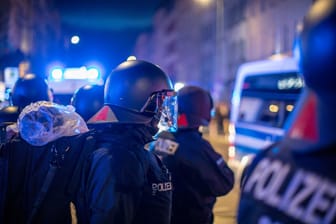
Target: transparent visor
(164,105)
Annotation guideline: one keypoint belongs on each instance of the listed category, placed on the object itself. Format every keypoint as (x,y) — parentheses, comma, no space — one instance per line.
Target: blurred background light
(289,107)
(178,86)
(273,108)
(131,58)
(56,74)
(93,73)
(75,39)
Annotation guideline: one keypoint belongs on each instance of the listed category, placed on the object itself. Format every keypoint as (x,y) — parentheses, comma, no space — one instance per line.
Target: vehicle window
(249,108)
(266,112)
(269,99)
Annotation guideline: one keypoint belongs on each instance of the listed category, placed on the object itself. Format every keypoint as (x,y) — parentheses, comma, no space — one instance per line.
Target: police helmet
(133,82)
(140,87)
(317,54)
(28,89)
(194,107)
(87,100)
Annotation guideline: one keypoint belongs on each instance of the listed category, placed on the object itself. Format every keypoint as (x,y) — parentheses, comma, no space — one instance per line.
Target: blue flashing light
(57,74)
(95,65)
(93,73)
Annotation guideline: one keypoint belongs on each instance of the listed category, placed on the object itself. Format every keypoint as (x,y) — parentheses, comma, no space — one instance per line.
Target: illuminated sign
(290,83)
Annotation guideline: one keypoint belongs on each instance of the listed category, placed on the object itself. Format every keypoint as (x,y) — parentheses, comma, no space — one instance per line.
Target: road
(226,207)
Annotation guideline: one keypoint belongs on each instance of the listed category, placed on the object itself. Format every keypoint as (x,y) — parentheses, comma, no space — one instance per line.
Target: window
(273,113)
(269,99)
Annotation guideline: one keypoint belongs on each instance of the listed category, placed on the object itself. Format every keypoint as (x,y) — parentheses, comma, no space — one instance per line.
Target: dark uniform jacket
(119,181)
(199,175)
(123,182)
(36,179)
(28,167)
(290,183)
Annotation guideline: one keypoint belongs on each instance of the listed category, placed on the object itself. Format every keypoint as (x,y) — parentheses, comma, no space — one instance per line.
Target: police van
(265,94)
(65,81)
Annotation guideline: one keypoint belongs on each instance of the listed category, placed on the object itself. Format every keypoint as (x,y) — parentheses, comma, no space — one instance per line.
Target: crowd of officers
(113,161)
(123,153)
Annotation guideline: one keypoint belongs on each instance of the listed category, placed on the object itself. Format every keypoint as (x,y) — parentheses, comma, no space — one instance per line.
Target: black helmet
(28,89)
(139,92)
(88,100)
(318,46)
(138,87)
(194,107)
(133,82)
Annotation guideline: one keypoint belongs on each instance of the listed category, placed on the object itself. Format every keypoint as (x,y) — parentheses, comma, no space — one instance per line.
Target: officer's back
(294,181)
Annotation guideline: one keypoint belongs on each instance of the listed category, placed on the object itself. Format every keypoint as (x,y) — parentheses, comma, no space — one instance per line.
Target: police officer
(88,100)
(294,181)
(27,89)
(38,165)
(125,183)
(199,173)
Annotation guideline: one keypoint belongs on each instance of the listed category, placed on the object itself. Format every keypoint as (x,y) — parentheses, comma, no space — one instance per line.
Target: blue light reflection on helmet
(163,106)
(168,109)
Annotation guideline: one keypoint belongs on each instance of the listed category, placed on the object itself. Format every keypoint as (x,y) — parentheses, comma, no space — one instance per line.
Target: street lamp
(219,35)
(75,39)
(219,39)
(203,3)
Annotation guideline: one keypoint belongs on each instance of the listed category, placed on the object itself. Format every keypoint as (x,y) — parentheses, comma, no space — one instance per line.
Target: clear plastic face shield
(164,105)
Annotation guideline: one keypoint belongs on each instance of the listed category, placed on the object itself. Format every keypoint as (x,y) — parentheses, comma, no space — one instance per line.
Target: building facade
(30,30)
(204,42)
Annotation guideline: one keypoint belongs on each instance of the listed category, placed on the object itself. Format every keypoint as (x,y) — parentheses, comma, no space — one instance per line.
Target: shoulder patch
(165,146)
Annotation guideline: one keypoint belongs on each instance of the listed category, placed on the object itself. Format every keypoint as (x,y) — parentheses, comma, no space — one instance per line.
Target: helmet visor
(164,105)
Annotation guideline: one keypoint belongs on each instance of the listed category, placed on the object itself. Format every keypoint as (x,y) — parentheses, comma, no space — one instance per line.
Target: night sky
(108,29)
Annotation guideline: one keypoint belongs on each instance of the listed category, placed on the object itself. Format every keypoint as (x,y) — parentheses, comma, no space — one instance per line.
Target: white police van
(264,96)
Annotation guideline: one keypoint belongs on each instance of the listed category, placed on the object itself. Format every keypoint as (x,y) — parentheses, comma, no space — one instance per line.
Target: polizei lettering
(166,186)
(300,194)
